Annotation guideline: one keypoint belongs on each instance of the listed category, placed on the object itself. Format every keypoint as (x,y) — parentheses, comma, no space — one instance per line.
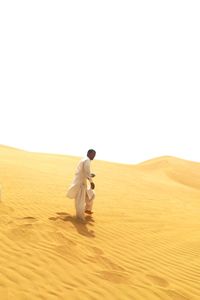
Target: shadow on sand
(80,225)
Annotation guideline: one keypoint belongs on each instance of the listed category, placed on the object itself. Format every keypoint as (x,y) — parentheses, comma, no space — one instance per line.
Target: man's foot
(89,212)
(81,218)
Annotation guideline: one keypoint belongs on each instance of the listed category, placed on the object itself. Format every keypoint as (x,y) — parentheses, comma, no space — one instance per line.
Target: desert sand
(143,241)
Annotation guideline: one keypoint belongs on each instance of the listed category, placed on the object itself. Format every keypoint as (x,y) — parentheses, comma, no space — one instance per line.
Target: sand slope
(143,242)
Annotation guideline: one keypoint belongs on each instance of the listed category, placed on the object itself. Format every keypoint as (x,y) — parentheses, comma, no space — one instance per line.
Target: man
(79,190)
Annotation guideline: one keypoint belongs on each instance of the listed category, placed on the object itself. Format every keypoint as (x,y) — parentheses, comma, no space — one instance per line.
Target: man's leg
(80,203)
(88,204)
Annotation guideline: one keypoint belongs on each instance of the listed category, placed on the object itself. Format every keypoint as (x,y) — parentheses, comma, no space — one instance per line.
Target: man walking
(79,190)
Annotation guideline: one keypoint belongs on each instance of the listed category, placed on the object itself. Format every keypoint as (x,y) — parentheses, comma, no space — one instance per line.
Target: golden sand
(142,243)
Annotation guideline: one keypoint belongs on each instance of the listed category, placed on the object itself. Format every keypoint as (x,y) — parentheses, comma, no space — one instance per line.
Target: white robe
(79,191)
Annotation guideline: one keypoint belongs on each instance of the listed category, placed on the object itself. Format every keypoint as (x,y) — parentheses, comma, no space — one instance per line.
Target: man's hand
(92,185)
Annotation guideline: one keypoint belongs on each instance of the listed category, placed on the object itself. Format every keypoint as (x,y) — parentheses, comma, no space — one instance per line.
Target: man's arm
(87,172)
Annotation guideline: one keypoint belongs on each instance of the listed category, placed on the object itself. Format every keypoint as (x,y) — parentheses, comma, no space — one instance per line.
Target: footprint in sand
(103,260)
(61,238)
(60,216)
(176,296)
(29,218)
(158,280)
(62,213)
(20,232)
(113,276)
(26,221)
(20,228)
(97,251)
(161,282)
(21,222)
(53,218)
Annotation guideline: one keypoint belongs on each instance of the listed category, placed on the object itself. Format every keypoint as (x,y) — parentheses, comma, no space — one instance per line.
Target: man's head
(91,154)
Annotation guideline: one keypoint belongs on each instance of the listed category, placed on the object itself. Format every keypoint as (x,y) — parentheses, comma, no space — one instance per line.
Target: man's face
(91,155)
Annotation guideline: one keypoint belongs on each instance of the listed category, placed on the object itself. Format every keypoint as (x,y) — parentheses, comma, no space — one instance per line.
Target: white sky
(122,77)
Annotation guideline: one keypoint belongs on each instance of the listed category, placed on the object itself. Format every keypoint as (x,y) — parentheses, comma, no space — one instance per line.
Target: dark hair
(91,151)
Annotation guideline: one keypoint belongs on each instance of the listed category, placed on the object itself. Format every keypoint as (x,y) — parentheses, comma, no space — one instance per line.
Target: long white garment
(78,189)
(90,195)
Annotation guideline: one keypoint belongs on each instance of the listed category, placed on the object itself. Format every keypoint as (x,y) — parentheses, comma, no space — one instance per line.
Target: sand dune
(142,243)
(179,170)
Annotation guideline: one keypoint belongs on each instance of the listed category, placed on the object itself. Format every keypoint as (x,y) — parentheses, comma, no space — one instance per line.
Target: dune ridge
(142,243)
(182,171)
